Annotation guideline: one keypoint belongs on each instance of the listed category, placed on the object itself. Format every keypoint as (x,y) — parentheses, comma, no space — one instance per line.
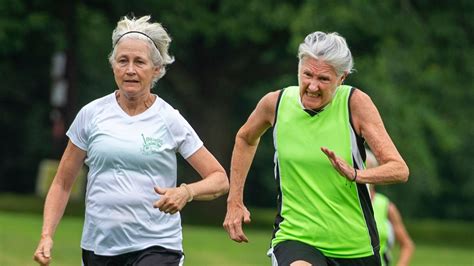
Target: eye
(324,79)
(307,74)
(122,61)
(140,62)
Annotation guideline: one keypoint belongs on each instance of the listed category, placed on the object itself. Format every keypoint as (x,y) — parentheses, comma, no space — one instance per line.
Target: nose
(313,85)
(130,69)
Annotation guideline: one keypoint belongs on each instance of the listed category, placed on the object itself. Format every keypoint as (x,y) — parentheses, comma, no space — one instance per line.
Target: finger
(230,227)
(41,259)
(233,234)
(325,150)
(171,209)
(247,217)
(329,153)
(160,190)
(46,252)
(159,204)
(332,157)
(237,232)
(241,236)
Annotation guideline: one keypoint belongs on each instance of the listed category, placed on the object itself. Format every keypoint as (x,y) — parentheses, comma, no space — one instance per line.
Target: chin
(130,89)
(312,105)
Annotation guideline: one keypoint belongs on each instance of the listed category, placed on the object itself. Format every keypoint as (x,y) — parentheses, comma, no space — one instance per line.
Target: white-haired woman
(319,128)
(129,140)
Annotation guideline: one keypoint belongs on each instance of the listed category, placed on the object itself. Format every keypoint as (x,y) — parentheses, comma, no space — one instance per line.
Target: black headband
(133,31)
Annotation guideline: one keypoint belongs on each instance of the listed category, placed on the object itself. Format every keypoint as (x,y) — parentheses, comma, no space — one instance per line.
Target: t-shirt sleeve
(187,140)
(77,132)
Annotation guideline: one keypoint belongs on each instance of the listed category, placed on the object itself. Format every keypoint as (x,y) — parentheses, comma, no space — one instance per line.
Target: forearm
(242,158)
(406,252)
(407,246)
(211,187)
(388,173)
(54,207)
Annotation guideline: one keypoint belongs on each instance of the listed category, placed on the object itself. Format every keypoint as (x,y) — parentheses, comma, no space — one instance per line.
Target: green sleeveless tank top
(317,205)
(380,205)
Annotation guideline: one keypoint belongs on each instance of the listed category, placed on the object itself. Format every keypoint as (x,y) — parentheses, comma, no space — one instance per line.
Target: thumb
(160,190)
(246,216)
(46,252)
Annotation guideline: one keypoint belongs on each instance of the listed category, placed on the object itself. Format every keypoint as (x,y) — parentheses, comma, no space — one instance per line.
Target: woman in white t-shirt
(129,140)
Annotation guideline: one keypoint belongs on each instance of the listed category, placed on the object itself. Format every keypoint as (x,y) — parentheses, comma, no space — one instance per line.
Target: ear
(342,78)
(157,71)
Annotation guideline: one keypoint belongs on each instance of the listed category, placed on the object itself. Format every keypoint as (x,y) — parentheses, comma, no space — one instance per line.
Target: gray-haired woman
(319,129)
(129,140)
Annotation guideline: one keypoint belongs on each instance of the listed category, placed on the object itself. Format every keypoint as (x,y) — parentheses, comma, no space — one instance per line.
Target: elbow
(404,173)
(400,171)
(408,246)
(223,185)
(412,246)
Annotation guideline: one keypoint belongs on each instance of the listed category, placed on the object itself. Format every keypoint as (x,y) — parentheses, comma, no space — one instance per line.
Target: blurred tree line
(413,57)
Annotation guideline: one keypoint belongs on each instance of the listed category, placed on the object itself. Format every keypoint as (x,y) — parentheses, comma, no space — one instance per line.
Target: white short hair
(152,32)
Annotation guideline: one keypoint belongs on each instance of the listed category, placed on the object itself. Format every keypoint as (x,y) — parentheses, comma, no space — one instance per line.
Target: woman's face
(318,82)
(133,69)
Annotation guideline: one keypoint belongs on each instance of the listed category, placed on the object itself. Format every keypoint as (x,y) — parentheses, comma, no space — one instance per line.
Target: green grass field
(20,232)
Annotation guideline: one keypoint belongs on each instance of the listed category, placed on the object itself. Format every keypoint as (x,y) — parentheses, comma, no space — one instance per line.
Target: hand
(236,213)
(339,164)
(172,200)
(43,251)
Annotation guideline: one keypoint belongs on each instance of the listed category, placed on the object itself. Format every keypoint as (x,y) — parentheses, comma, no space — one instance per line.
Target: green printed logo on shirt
(151,145)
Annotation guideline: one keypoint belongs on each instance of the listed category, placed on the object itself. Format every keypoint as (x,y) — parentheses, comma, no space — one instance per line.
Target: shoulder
(361,103)
(266,107)
(96,107)
(170,115)
(363,110)
(164,108)
(358,97)
(171,118)
(269,100)
(100,103)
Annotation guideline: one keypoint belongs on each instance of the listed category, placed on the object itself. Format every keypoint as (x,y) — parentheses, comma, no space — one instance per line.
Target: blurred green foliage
(414,58)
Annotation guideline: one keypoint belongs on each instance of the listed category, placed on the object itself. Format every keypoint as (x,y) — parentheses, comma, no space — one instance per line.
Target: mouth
(313,94)
(131,81)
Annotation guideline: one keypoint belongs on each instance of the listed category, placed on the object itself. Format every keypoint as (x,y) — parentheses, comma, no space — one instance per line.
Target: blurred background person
(129,140)
(319,127)
(389,225)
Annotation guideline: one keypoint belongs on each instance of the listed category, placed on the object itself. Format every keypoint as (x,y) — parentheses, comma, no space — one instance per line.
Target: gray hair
(154,34)
(330,48)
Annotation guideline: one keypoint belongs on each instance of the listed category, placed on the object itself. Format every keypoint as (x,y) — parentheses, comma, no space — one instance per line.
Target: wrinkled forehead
(316,66)
(133,46)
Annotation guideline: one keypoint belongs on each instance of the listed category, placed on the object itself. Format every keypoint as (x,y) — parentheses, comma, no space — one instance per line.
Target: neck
(134,105)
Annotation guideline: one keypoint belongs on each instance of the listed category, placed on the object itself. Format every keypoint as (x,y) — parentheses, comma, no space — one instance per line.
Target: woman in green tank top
(319,129)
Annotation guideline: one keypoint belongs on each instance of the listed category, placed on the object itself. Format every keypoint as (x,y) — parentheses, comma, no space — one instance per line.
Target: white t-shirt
(127,157)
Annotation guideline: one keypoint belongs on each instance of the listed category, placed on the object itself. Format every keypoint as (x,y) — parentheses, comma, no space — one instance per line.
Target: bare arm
(246,143)
(368,124)
(57,198)
(401,235)
(367,121)
(214,184)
